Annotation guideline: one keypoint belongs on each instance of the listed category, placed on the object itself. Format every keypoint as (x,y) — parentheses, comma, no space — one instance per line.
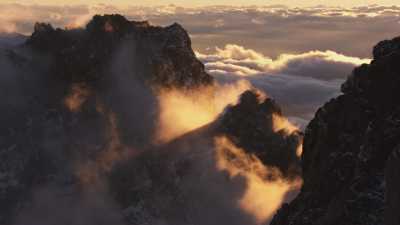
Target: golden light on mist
(182,111)
(299,150)
(89,172)
(77,96)
(281,123)
(79,21)
(114,149)
(263,195)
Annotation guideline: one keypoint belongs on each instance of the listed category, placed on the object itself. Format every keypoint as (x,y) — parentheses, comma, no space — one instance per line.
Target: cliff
(75,97)
(346,150)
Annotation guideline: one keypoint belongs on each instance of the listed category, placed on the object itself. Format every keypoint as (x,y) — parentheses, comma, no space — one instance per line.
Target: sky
(299,56)
(297,3)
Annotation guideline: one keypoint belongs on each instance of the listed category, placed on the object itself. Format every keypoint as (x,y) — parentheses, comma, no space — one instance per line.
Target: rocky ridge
(83,99)
(69,90)
(346,150)
(250,125)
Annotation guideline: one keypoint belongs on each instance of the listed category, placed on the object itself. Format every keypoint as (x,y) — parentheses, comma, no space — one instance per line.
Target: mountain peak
(256,124)
(113,23)
(386,47)
(83,54)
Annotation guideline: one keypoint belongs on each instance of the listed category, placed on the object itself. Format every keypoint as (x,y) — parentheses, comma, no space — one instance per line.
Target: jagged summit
(257,125)
(115,24)
(386,47)
(83,54)
(74,94)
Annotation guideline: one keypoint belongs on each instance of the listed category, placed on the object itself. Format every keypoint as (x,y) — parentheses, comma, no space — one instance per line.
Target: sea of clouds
(299,56)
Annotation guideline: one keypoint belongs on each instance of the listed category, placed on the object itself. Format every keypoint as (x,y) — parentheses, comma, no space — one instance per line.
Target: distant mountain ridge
(11,39)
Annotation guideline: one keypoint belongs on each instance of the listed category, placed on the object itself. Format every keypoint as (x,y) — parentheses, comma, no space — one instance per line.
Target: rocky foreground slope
(350,158)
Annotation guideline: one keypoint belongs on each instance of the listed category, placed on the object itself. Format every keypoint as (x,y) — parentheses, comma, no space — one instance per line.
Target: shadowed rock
(250,125)
(346,148)
(111,70)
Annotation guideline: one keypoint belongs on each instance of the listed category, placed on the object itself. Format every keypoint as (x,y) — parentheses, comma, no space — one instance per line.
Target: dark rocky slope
(346,150)
(67,99)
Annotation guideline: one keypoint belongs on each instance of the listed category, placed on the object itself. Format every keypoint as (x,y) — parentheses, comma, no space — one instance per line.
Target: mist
(130,131)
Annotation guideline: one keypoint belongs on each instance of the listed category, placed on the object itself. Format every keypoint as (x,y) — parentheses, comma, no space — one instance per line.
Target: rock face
(164,55)
(346,150)
(250,125)
(69,102)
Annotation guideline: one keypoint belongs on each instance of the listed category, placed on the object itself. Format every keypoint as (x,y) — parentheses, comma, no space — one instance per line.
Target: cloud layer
(299,82)
(296,60)
(272,30)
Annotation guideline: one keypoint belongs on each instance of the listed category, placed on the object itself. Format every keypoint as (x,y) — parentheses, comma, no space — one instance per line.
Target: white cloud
(298,55)
(272,30)
(299,82)
(246,62)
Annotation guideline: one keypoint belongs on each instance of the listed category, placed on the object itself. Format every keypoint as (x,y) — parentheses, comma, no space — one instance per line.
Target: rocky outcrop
(77,98)
(164,55)
(346,148)
(251,125)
